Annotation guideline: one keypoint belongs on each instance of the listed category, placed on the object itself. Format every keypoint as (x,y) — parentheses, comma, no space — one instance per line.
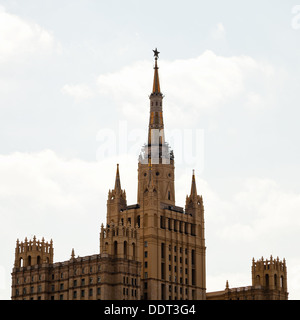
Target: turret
(270,274)
(33,252)
(116,200)
(194,202)
(119,241)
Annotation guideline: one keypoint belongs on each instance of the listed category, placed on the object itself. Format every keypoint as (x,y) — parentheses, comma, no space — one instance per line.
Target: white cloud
(21,39)
(198,85)
(78,91)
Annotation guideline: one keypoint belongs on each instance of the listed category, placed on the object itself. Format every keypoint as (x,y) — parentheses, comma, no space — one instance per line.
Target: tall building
(151,250)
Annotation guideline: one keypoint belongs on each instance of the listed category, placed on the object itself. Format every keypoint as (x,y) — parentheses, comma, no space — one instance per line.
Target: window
(146,244)
(146,254)
(193,257)
(162,250)
(39,288)
(75,294)
(99,279)
(146,264)
(138,221)
(163,271)
(91,280)
(82,293)
(31,289)
(75,283)
(61,297)
(52,287)
(82,282)
(146,275)
(61,287)
(98,291)
(90,292)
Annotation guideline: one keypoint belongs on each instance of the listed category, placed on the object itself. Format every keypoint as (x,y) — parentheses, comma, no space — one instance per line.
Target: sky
(75,77)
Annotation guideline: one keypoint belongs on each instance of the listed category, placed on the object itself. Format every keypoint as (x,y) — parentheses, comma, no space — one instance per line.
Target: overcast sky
(75,77)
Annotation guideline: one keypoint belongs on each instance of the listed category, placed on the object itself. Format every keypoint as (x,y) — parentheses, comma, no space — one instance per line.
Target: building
(151,250)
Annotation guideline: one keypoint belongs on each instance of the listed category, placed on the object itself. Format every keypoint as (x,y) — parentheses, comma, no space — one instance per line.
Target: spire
(193,187)
(156,86)
(118,181)
(72,254)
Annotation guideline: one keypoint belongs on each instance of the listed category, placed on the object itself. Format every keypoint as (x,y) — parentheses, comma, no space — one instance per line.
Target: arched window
(21,263)
(29,261)
(38,260)
(281,282)
(115,248)
(267,280)
(275,280)
(133,251)
(125,249)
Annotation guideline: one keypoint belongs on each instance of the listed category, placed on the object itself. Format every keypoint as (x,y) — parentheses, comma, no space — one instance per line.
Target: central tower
(156,161)
(172,244)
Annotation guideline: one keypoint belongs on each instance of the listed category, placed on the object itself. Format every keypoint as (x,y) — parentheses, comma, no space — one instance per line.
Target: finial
(156,53)
(73,254)
(227,284)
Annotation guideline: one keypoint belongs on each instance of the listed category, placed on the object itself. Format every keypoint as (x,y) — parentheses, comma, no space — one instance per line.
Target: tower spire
(118,180)
(193,186)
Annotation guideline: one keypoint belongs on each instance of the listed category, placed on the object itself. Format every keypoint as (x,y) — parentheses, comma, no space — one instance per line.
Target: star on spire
(156,53)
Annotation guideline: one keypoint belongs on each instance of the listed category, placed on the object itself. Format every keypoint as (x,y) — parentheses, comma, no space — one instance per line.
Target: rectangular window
(193,257)
(82,293)
(163,271)
(82,282)
(61,287)
(75,283)
(146,275)
(162,250)
(146,264)
(193,277)
(146,244)
(61,297)
(146,254)
(98,291)
(90,292)
(74,294)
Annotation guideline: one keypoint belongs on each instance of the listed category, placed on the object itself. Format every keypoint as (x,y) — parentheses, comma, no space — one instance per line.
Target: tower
(172,244)
(33,252)
(271,276)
